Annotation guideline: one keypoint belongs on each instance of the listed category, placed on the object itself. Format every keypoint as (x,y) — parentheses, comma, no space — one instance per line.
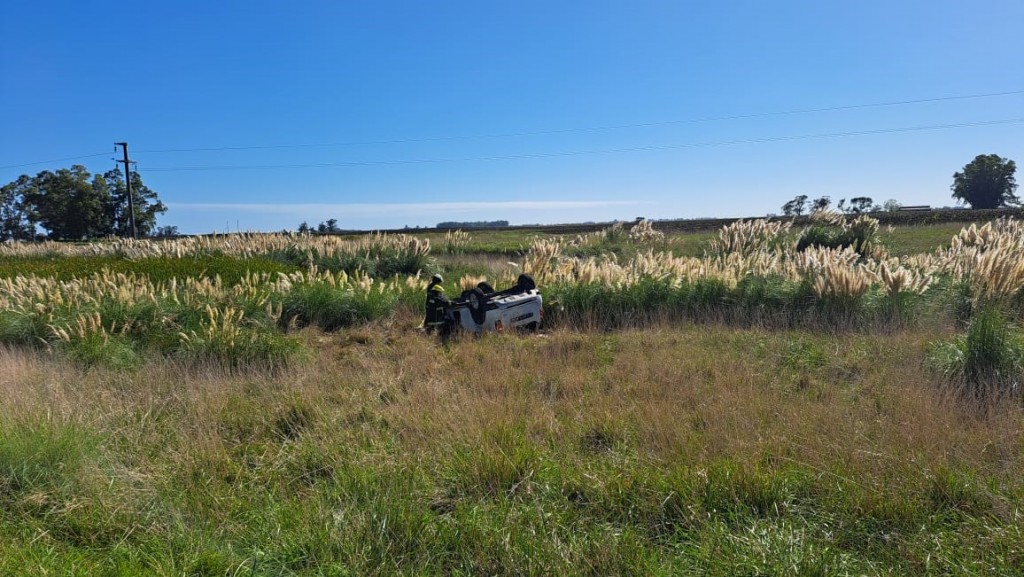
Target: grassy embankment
(687,446)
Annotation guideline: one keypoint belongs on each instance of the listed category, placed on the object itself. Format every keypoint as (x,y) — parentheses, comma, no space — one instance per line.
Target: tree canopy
(16,222)
(986,182)
(72,204)
(796,206)
(472,224)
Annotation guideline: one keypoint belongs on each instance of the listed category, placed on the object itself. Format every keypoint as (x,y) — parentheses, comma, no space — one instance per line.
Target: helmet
(436,279)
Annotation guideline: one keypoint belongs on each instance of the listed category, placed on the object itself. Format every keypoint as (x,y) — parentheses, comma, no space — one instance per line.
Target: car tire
(477,299)
(525,282)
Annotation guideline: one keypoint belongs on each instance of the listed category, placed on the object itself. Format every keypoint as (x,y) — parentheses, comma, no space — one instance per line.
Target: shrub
(99,349)
(224,337)
(331,307)
(832,230)
(818,235)
(22,328)
(989,355)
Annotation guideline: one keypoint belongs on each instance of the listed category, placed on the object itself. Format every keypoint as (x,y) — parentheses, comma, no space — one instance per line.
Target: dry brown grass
(699,393)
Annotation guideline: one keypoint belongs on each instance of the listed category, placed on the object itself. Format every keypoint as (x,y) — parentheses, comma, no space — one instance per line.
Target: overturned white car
(482,309)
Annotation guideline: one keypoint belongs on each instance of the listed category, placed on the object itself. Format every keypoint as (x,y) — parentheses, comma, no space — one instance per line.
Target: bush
(379,262)
(857,235)
(332,308)
(989,355)
(818,235)
(99,349)
(19,328)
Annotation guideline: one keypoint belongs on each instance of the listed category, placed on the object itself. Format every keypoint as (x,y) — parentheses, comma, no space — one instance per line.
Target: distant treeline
(473,224)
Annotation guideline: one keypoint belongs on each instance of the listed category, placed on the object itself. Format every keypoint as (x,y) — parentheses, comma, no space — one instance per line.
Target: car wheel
(476,305)
(525,282)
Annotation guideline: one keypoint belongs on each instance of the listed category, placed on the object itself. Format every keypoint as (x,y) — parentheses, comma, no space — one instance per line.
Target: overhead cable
(586,129)
(587,152)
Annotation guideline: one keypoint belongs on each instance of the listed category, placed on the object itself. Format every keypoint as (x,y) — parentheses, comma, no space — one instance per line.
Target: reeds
(454,242)
(990,259)
(376,254)
(200,317)
(752,272)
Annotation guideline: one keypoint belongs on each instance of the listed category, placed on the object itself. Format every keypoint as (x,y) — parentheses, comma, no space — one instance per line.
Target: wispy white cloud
(420,208)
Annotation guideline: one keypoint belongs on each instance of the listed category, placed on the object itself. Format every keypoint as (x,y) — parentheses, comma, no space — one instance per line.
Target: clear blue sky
(78,76)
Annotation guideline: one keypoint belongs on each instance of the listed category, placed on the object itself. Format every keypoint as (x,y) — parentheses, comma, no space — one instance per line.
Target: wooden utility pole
(128,185)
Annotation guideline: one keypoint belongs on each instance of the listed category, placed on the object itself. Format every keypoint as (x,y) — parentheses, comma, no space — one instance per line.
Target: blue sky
(78,76)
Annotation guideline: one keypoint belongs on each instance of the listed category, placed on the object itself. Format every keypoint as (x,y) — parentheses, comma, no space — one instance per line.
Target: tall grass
(332,307)
(40,459)
(704,450)
(988,359)
(114,318)
(231,270)
(753,273)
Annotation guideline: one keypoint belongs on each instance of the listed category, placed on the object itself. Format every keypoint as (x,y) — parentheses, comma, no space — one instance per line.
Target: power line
(536,133)
(54,160)
(588,152)
(589,129)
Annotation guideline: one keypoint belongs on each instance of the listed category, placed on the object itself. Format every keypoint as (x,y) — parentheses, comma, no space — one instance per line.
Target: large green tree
(71,204)
(67,204)
(16,220)
(147,205)
(987,182)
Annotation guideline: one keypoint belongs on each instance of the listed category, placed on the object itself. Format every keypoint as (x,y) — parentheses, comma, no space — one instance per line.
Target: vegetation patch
(230,270)
(987,359)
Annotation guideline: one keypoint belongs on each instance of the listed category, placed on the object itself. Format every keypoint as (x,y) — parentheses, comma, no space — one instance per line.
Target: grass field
(908,240)
(758,412)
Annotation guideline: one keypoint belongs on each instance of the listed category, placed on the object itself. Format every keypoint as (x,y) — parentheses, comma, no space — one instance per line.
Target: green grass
(230,269)
(331,308)
(690,243)
(755,301)
(904,240)
(503,242)
(513,243)
(908,240)
(318,472)
(988,358)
